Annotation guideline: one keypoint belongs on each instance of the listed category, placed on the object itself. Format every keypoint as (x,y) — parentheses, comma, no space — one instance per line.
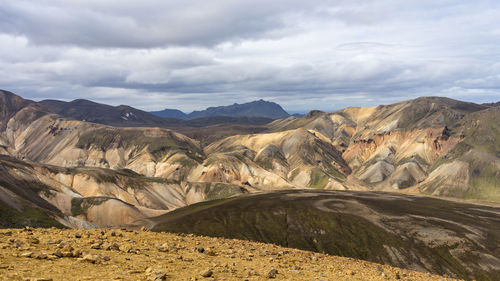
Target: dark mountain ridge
(258,108)
(170,113)
(122,115)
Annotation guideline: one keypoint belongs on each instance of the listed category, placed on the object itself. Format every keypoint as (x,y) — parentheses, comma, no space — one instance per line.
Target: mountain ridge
(258,108)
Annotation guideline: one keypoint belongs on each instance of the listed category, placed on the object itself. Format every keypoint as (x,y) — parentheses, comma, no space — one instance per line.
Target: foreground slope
(418,233)
(103,254)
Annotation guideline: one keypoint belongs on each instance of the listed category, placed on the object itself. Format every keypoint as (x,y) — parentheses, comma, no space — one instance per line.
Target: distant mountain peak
(257,108)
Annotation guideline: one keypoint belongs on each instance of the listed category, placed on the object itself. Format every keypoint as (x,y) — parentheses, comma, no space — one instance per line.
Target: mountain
(418,233)
(10,103)
(492,104)
(429,145)
(258,108)
(170,113)
(74,165)
(85,110)
(205,129)
(400,147)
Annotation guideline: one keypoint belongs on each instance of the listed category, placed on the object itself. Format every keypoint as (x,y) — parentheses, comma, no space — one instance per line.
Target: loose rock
(207,273)
(272,273)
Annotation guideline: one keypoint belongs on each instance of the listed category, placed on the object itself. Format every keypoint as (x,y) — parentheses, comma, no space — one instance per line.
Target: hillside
(258,108)
(418,233)
(105,254)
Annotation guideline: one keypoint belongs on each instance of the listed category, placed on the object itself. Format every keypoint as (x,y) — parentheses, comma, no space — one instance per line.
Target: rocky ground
(107,254)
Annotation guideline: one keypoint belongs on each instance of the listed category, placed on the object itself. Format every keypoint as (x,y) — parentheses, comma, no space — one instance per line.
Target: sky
(192,54)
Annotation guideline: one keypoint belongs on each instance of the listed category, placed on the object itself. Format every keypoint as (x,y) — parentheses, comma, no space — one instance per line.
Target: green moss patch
(12,218)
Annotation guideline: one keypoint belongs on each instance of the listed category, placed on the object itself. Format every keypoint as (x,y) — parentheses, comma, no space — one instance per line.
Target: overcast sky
(189,54)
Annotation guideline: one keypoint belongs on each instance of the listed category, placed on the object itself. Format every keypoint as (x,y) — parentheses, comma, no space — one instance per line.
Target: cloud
(304,55)
(145,24)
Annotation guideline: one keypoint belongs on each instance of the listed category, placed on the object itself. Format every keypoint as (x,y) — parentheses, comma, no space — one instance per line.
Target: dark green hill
(427,234)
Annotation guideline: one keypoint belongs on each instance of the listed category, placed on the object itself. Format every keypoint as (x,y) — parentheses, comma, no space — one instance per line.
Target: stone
(207,273)
(58,253)
(163,248)
(52,257)
(76,253)
(211,253)
(42,256)
(34,240)
(125,248)
(26,255)
(272,273)
(160,277)
(90,258)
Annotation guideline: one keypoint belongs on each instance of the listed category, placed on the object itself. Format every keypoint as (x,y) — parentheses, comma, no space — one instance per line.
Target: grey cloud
(144,24)
(304,55)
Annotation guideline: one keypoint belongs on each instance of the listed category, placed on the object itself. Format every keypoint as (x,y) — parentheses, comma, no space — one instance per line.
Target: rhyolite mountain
(260,108)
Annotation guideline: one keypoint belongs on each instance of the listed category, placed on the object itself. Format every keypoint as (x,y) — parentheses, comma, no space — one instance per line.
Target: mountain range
(260,108)
(81,164)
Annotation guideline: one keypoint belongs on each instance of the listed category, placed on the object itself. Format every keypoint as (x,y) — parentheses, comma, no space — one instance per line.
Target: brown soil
(106,254)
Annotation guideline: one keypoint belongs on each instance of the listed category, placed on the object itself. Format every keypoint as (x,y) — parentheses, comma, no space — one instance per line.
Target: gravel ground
(112,254)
